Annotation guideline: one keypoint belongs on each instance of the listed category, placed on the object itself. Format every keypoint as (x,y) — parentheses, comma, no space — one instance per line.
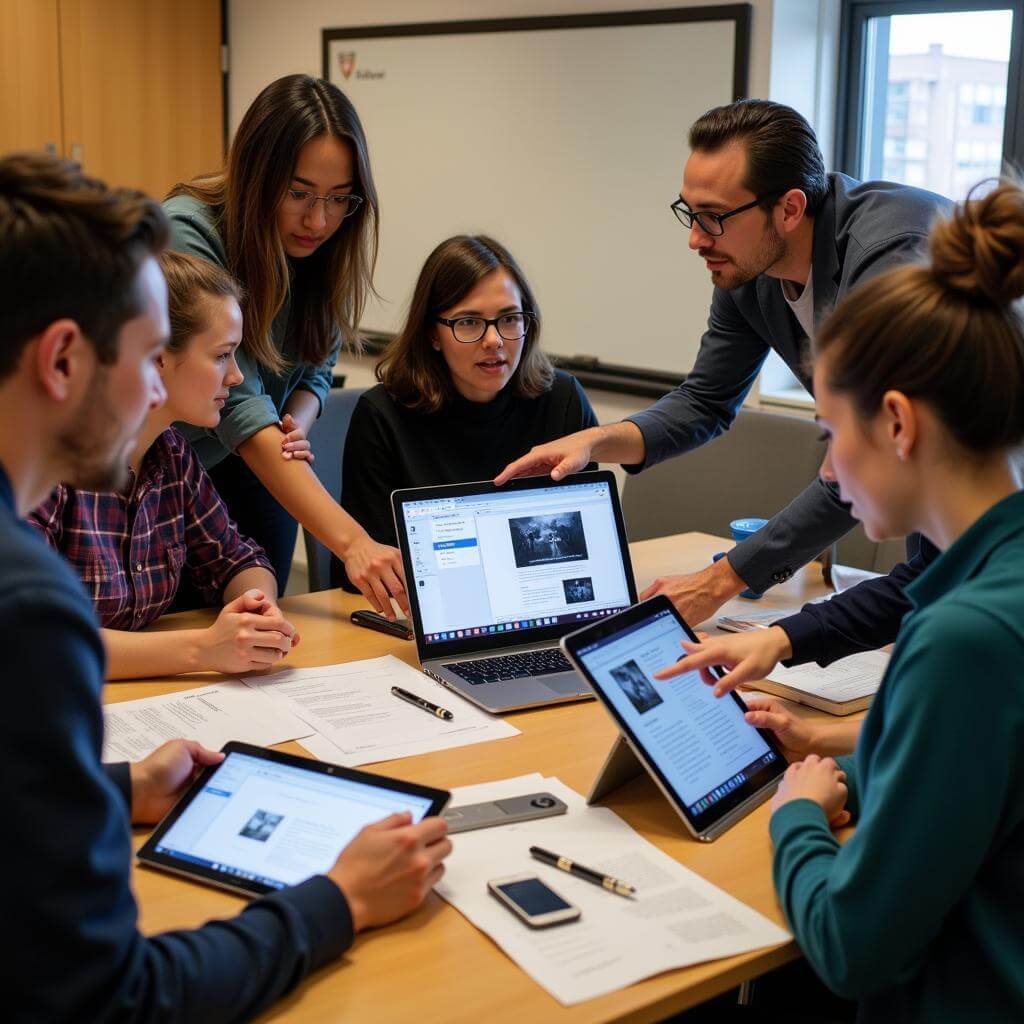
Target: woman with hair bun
(919,386)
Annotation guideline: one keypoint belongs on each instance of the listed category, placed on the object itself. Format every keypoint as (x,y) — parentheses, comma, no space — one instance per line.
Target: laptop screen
(515,561)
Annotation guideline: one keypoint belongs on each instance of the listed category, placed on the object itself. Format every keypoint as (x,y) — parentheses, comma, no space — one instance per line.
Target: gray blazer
(862,228)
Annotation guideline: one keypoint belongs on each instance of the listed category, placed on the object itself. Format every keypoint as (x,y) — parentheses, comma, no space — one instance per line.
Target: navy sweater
(76,953)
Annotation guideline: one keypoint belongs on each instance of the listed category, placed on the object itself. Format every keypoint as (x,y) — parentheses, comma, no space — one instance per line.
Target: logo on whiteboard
(347,63)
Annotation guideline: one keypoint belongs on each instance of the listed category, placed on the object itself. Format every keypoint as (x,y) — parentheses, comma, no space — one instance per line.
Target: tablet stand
(620,766)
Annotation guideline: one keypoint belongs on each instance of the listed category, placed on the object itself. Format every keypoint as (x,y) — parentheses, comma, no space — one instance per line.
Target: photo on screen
(541,540)
(261,826)
(636,686)
(578,590)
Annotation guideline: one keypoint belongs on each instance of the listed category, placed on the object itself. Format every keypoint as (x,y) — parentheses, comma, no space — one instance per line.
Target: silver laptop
(497,576)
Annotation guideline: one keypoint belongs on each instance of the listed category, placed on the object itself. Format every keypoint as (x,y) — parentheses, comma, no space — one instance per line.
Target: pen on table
(419,702)
(615,885)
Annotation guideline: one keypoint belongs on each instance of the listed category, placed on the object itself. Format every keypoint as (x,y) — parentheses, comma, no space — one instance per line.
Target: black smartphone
(371,620)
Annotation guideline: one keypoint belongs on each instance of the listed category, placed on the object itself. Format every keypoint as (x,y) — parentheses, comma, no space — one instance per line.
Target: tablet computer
(262,820)
(712,765)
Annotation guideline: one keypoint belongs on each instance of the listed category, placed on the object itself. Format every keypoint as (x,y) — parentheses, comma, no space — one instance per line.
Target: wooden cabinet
(30,102)
(131,89)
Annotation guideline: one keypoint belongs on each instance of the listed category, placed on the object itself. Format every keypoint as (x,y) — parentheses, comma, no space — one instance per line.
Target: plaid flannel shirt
(131,550)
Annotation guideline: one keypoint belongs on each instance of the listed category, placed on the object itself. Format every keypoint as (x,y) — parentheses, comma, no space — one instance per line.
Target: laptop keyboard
(511,666)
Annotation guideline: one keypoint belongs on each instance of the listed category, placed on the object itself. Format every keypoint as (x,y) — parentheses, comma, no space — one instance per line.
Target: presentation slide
(278,823)
(699,741)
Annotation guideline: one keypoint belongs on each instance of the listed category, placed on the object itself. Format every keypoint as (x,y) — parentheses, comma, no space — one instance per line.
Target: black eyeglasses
(470,329)
(714,223)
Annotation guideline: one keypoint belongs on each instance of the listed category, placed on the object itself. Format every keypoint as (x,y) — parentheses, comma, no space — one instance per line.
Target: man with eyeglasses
(783,242)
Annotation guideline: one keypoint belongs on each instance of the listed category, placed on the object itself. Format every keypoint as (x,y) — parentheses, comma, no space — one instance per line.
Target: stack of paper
(354,719)
(676,918)
(843,687)
(213,715)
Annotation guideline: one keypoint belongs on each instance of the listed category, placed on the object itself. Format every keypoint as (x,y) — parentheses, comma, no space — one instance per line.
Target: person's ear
(900,424)
(790,210)
(64,359)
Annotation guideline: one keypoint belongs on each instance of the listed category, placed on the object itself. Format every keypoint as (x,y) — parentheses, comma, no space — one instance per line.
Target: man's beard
(771,250)
(93,446)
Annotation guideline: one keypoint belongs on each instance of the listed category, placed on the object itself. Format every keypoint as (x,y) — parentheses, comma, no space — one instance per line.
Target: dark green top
(920,916)
(260,399)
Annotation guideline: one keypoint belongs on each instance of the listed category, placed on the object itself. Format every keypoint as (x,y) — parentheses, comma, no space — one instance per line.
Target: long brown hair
(412,371)
(949,332)
(329,288)
(190,280)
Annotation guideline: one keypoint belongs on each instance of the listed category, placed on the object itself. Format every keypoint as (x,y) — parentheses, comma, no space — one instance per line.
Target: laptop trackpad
(565,684)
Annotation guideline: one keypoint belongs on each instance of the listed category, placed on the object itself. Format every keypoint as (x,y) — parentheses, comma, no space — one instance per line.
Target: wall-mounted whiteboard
(565,139)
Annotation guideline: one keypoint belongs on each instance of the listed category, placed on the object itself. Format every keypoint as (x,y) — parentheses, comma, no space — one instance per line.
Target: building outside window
(923,102)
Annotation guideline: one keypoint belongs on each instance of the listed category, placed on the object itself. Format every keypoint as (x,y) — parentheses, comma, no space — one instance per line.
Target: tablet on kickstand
(713,767)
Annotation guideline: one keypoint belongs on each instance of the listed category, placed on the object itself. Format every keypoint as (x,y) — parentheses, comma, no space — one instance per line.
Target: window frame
(853,72)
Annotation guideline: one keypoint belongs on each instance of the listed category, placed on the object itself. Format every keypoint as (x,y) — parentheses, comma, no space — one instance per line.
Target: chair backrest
(327,441)
(754,469)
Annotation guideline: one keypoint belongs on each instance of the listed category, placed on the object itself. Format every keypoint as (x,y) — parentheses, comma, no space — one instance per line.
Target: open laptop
(497,576)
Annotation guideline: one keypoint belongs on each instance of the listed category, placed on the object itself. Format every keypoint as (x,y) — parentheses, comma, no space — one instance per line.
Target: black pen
(615,885)
(411,698)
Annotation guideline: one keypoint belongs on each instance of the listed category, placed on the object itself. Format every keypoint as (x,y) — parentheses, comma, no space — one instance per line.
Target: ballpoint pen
(608,882)
(419,702)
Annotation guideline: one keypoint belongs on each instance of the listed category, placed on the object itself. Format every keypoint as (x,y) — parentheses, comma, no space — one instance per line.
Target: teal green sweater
(920,916)
(259,400)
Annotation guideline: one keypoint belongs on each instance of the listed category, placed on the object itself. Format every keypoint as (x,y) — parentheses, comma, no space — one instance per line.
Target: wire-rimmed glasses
(336,207)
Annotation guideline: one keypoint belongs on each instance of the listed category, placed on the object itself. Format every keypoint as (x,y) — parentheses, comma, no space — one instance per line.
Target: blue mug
(741,529)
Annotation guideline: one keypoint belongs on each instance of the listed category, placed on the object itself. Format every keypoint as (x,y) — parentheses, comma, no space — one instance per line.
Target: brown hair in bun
(949,332)
(978,251)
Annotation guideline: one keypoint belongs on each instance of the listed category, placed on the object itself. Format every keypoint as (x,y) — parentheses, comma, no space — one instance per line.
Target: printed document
(213,715)
(676,918)
(355,719)
(848,679)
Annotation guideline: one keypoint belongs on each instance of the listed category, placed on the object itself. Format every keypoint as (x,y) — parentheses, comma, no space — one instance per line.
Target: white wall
(270,38)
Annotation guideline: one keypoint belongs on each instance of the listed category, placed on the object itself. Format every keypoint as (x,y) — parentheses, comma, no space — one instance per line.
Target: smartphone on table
(532,901)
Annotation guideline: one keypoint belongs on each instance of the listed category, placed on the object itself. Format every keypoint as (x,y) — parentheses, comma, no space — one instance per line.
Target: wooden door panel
(142,89)
(30,114)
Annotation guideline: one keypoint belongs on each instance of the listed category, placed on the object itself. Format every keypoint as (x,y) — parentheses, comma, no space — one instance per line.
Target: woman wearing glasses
(464,388)
(293,217)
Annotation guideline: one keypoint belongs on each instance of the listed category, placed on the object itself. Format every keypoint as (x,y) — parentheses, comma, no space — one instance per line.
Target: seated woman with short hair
(135,547)
(464,388)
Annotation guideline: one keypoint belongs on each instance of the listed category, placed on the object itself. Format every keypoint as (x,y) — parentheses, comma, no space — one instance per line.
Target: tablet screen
(276,824)
(702,747)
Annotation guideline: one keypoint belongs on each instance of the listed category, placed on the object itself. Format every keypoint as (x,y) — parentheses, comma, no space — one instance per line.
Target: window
(924,89)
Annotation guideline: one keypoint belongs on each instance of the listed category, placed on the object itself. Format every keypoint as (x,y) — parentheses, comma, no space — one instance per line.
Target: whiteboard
(563,138)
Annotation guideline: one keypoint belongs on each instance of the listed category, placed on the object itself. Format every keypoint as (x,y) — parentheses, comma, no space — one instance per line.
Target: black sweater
(388,446)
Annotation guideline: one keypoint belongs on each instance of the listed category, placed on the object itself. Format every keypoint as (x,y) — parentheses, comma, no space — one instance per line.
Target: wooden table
(435,966)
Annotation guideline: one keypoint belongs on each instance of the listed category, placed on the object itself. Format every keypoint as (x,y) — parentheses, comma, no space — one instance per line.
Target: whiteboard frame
(597,372)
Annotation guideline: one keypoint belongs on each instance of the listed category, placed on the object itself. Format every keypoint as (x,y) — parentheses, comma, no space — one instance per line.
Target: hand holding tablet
(262,820)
